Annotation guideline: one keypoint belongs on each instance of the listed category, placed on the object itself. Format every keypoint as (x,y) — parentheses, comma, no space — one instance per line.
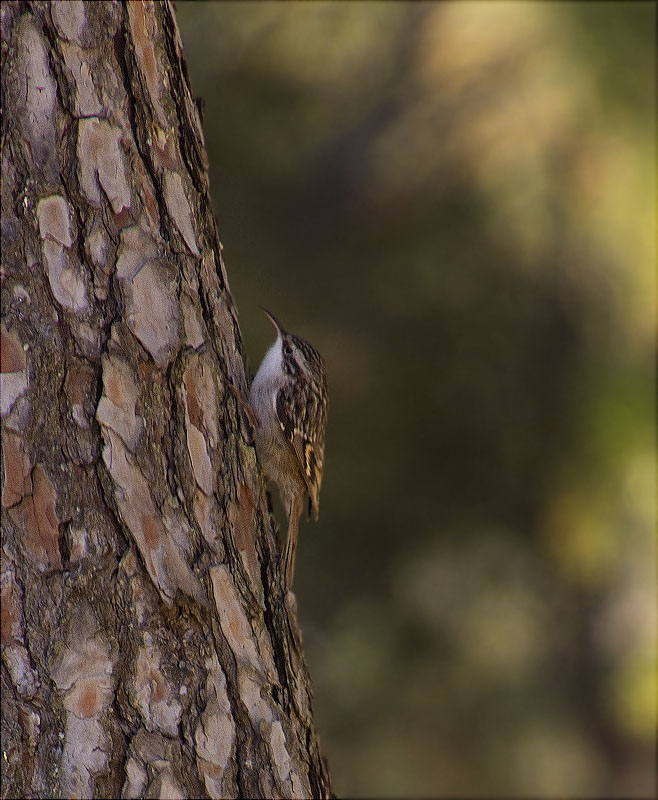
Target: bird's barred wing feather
(303,421)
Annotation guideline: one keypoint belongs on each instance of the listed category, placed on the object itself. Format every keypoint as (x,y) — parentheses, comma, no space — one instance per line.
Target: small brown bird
(289,396)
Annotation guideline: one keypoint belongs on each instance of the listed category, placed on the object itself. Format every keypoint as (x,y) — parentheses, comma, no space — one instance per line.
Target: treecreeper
(289,398)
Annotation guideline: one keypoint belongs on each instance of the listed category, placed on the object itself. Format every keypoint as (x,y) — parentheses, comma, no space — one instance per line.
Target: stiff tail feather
(289,561)
(290,549)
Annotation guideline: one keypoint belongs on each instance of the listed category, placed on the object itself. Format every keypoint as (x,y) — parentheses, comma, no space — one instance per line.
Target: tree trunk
(148,649)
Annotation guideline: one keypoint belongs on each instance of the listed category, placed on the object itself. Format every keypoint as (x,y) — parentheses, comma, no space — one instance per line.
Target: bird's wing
(303,425)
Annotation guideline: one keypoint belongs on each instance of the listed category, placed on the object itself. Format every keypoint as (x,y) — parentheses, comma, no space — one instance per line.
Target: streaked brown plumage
(289,396)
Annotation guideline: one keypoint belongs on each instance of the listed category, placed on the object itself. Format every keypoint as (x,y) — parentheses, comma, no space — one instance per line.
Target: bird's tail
(290,550)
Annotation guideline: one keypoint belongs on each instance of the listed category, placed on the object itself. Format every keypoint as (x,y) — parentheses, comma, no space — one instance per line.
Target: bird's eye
(287,349)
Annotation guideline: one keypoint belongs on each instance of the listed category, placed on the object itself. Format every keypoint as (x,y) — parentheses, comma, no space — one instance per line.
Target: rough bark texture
(147,647)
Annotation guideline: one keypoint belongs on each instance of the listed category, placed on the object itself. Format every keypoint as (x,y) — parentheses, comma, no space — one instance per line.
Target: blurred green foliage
(455,202)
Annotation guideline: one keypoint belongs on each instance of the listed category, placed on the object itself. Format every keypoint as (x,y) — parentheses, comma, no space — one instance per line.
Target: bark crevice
(146,646)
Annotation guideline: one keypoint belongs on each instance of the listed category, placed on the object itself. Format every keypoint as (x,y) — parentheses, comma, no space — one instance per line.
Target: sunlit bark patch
(152,769)
(83,672)
(116,408)
(200,421)
(179,209)
(214,736)
(37,90)
(64,275)
(152,315)
(136,248)
(153,693)
(69,19)
(102,163)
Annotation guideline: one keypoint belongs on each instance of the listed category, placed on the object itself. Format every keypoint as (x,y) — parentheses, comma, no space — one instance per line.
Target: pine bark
(148,649)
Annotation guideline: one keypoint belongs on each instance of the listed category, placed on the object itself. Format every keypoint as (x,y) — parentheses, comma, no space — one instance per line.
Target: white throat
(270,368)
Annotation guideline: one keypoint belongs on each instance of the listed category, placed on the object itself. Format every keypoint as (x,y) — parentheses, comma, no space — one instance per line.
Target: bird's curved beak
(273,320)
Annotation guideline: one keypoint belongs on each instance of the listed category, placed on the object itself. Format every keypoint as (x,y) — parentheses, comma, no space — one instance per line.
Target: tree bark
(148,649)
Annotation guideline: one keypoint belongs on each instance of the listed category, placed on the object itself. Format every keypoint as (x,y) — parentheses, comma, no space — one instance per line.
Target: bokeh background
(456,204)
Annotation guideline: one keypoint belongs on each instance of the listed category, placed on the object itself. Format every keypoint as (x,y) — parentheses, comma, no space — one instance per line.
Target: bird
(290,401)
